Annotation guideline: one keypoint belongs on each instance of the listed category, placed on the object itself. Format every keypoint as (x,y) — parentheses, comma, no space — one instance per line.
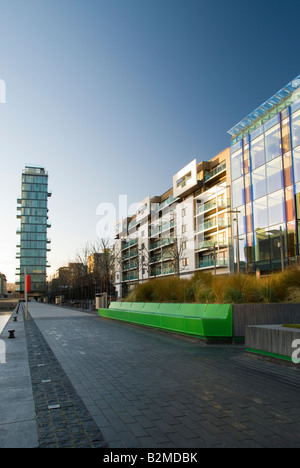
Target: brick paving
(148,389)
(62,418)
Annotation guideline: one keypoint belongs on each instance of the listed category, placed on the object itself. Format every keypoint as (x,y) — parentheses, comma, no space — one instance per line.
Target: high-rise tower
(34,243)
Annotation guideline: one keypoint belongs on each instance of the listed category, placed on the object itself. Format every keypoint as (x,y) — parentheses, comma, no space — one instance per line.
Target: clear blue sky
(115,96)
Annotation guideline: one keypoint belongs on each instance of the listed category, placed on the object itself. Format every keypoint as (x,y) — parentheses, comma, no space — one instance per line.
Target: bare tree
(142,261)
(104,261)
(176,253)
(82,258)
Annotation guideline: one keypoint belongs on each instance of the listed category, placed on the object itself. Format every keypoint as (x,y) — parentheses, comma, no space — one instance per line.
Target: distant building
(2,284)
(95,262)
(34,243)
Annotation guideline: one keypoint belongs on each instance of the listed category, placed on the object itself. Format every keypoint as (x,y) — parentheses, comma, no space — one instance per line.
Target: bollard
(11,333)
(15,319)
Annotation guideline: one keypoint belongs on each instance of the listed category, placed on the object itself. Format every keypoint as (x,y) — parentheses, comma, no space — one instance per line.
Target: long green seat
(202,320)
(193,310)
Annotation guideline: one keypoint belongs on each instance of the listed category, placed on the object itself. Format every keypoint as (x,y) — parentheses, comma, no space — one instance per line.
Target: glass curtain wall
(266,191)
(33,233)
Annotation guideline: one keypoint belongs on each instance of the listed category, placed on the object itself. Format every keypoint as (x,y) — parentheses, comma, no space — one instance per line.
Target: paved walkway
(127,386)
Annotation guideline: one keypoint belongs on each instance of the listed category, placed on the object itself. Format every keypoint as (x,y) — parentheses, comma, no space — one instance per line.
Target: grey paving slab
(150,389)
(18,427)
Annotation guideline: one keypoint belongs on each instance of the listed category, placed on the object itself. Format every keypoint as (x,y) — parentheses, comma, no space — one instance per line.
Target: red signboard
(28,283)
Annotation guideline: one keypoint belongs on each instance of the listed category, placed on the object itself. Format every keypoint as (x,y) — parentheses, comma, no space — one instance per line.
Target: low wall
(272,341)
(262,314)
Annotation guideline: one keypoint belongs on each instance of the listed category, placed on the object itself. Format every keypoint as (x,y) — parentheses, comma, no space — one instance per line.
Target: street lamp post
(215,259)
(236,212)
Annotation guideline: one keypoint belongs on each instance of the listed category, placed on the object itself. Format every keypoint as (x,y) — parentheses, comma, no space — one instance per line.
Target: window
(262,246)
(237,165)
(296,128)
(260,213)
(276,208)
(289,204)
(248,189)
(296,157)
(183,212)
(258,152)
(259,183)
(273,143)
(183,180)
(274,175)
(184,228)
(185,262)
(237,192)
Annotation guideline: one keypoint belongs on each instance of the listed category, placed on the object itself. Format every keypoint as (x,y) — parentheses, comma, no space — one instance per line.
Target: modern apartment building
(265,178)
(34,243)
(186,229)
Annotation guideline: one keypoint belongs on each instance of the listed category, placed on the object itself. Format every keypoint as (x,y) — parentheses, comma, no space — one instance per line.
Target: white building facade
(184,230)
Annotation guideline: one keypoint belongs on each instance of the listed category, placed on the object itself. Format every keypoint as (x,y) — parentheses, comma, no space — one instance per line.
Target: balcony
(209,244)
(216,171)
(209,206)
(132,223)
(130,243)
(162,242)
(209,262)
(131,277)
(220,223)
(130,254)
(165,203)
(130,266)
(162,272)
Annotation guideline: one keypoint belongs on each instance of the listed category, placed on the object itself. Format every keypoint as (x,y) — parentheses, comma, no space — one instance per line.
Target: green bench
(206,321)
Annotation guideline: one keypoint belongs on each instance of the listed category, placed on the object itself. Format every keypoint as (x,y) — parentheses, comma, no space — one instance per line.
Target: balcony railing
(164,227)
(129,243)
(132,253)
(130,266)
(210,206)
(166,202)
(209,244)
(209,262)
(161,272)
(130,277)
(162,242)
(214,172)
(212,223)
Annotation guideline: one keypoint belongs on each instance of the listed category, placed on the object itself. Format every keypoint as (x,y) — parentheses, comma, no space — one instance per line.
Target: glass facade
(34,243)
(265,160)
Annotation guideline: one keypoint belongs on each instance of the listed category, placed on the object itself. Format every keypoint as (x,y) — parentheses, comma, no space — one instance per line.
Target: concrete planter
(273,341)
(244,315)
